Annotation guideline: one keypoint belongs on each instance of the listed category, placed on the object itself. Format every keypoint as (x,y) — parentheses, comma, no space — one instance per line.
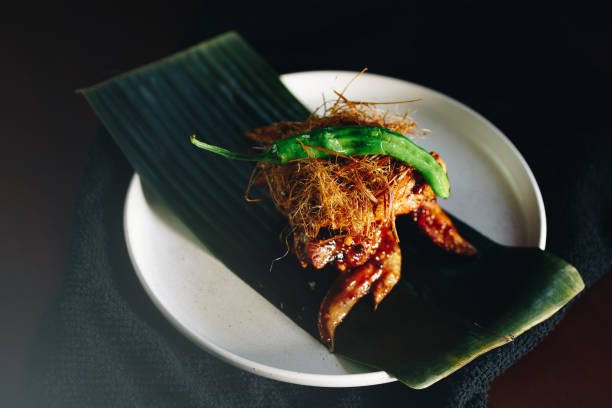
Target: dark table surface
(46,129)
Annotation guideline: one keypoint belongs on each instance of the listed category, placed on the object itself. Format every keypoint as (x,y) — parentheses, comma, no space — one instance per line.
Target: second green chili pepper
(348,141)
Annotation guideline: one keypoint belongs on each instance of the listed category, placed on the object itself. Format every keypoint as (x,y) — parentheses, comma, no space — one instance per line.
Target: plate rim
(292,376)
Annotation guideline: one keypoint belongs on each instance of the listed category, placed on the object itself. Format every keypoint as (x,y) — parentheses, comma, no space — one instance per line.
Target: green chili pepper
(348,141)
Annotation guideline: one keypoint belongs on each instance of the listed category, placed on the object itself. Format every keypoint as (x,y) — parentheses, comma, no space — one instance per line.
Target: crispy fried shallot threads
(343,193)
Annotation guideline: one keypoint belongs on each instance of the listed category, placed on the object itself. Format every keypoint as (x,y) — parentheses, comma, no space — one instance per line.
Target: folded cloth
(102,342)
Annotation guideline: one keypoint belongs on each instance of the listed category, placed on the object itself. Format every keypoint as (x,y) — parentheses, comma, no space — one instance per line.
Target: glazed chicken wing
(342,211)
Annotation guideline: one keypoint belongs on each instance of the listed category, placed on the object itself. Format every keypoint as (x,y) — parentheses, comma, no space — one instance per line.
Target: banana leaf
(444,312)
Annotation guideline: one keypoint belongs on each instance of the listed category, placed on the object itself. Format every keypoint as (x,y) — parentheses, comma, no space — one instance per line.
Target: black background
(540,74)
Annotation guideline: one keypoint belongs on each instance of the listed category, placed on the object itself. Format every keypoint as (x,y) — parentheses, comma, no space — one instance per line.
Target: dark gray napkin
(103,343)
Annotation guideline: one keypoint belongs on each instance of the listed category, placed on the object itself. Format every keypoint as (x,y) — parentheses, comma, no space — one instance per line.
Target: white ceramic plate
(492,189)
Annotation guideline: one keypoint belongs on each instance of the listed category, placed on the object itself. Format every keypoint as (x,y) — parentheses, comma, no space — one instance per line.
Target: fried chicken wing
(379,274)
(342,211)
